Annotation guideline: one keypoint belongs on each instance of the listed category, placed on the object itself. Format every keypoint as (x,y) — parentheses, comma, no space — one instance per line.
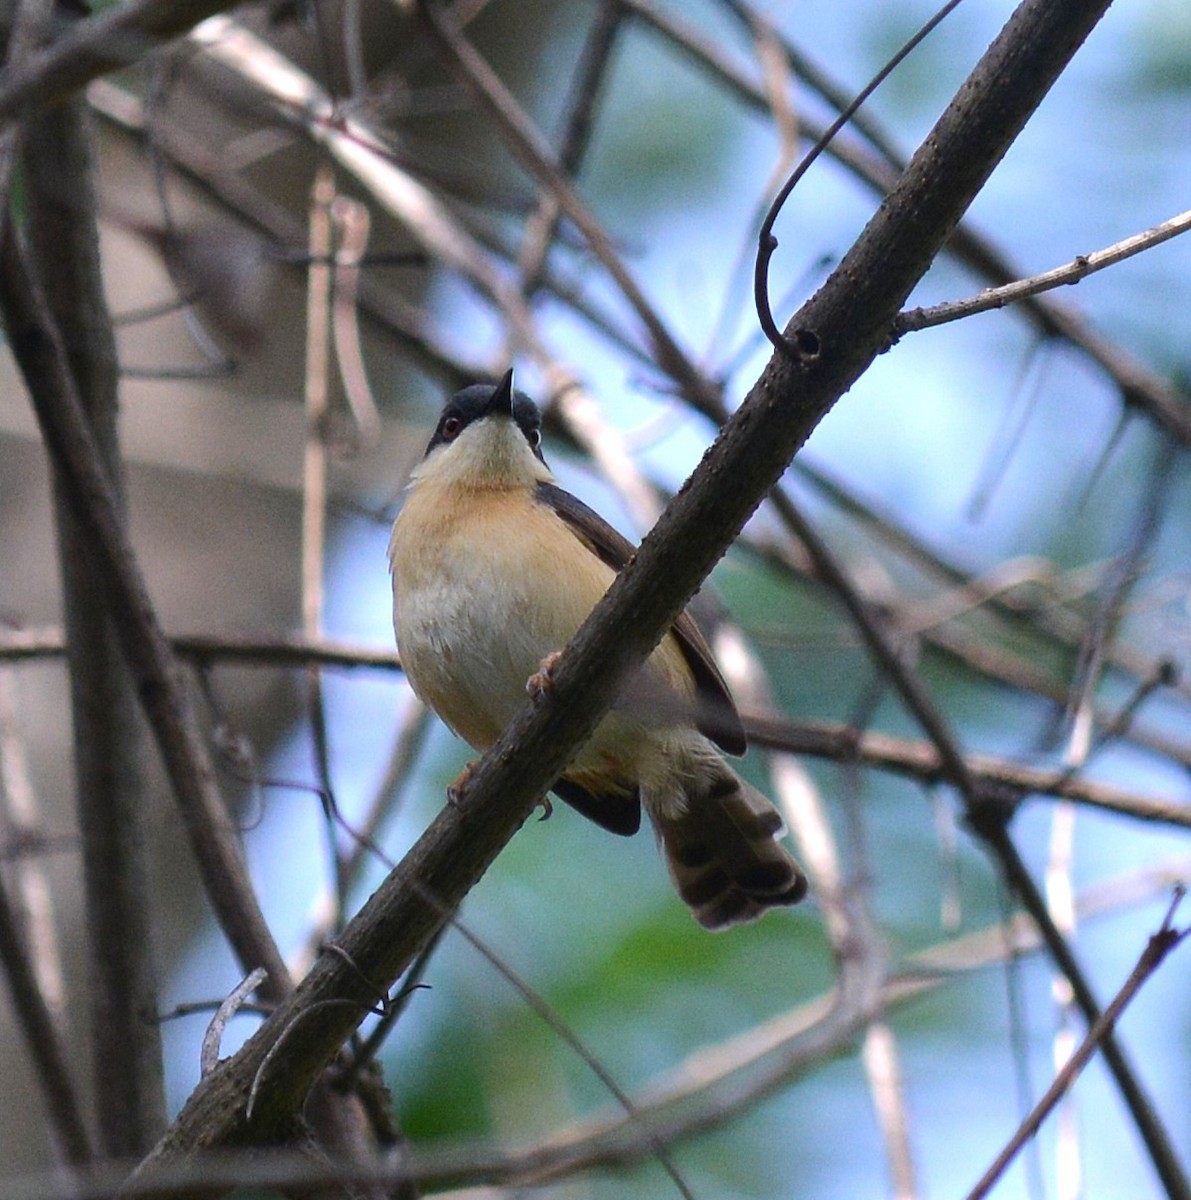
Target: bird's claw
(542,680)
(457,789)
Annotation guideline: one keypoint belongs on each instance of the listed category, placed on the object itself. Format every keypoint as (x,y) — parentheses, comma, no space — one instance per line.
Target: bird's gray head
(487,437)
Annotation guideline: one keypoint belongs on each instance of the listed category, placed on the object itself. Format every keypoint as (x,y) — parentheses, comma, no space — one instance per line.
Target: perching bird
(495,567)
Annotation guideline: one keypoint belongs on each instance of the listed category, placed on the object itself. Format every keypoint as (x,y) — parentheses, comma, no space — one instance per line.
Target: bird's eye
(535,438)
(451,427)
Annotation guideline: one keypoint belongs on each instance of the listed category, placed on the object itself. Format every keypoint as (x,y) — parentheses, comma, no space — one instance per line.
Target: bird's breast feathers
(483,591)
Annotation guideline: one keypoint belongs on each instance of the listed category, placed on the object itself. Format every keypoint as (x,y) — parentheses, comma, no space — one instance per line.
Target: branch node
(803,345)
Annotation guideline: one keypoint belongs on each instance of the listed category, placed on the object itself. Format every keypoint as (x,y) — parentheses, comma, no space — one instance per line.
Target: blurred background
(1009,492)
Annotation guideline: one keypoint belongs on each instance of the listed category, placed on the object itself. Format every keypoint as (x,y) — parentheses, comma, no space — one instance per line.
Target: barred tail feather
(722,846)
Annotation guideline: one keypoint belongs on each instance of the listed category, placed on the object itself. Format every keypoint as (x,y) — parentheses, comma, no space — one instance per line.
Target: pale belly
(470,648)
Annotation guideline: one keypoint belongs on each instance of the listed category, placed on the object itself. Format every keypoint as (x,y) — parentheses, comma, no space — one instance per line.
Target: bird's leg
(537,685)
(542,680)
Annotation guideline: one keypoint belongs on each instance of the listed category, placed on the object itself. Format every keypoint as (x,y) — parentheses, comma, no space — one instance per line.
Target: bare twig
(1121,578)
(799,63)
(798,344)
(352,223)
(921,760)
(1078,269)
(836,742)
(327,911)
(1156,950)
(1060,899)
(229,1006)
(204,649)
(883,1067)
(314,474)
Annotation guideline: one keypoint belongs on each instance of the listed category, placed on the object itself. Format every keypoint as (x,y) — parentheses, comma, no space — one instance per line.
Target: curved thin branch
(795,345)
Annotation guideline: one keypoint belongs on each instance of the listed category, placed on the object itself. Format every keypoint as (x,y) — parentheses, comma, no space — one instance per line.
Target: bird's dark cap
(482,400)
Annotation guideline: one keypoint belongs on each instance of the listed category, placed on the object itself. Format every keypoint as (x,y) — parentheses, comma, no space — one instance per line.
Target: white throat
(491,453)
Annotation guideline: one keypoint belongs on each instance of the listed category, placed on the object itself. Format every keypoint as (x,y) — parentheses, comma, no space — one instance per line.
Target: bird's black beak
(501,403)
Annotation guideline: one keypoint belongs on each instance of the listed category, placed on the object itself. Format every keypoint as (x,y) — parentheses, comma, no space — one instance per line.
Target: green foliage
(1162,44)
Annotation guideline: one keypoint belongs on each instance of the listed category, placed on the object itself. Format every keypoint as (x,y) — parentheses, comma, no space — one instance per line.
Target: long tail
(721,841)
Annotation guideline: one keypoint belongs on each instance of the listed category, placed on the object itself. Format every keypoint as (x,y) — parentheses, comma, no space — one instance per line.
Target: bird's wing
(716,716)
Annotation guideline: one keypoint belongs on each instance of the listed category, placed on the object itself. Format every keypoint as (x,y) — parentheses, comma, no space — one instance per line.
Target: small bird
(495,567)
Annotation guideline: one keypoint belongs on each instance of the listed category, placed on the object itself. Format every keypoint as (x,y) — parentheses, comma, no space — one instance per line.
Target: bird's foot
(458,788)
(542,680)
(547,808)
